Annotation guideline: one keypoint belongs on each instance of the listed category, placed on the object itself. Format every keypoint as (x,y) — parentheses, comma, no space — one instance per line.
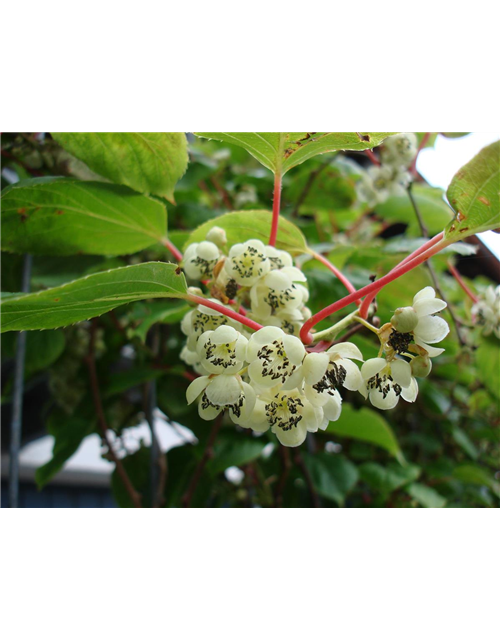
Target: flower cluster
(378,183)
(486,311)
(267,379)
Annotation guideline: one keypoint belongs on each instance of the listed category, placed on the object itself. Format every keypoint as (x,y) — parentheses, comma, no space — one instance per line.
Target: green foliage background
(132,195)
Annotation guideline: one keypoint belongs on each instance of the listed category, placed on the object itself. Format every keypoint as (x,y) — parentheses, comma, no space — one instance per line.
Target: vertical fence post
(17,400)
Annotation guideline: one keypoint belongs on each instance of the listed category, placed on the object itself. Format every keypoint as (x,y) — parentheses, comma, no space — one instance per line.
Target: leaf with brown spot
(474,195)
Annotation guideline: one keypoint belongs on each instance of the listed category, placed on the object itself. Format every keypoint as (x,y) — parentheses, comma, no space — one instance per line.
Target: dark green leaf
(367,425)
(147,162)
(234,450)
(333,476)
(387,479)
(62,216)
(244,225)
(474,195)
(488,365)
(91,296)
(282,151)
(426,496)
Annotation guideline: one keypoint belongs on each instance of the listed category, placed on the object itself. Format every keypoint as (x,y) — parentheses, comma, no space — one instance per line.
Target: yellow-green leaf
(282,151)
(474,195)
(147,162)
(245,225)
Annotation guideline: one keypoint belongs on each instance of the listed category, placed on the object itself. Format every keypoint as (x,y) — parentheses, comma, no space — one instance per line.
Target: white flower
(203,319)
(222,350)
(219,393)
(325,372)
(218,236)
(399,150)
(278,258)
(487,311)
(385,382)
(257,420)
(200,259)
(247,262)
(378,183)
(291,321)
(291,416)
(274,357)
(277,291)
(430,328)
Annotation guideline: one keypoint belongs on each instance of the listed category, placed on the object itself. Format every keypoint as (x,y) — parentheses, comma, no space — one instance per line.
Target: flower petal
(401,372)
(294,348)
(293,437)
(346,350)
(223,390)
(389,402)
(410,393)
(428,306)
(353,378)
(432,351)
(333,408)
(373,366)
(314,367)
(426,292)
(431,329)
(195,388)
(208,413)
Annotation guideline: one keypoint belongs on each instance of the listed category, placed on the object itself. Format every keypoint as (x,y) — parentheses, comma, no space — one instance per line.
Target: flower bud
(421,366)
(404,319)
(195,291)
(217,236)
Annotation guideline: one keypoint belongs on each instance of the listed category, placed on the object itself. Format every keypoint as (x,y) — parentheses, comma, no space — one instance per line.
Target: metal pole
(17,400)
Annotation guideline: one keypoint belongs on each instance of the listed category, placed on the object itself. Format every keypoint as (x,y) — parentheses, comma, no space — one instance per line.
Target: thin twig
(207,454)
(101,419)
(226,198)
(432,273)
(307,187)
(286,464)
(299,461)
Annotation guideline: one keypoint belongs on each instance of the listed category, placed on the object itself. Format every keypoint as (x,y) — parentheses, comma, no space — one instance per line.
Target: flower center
(235,407)
(283,412)
(245,263)
(275,361)
(399,341)
(220,354)
(276,299)
(206,266)
(333,378)
(383,384)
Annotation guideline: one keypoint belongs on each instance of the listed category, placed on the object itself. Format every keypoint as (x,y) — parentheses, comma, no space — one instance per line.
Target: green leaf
(282,151)
(137,467)
(473,474)
(389,478)
(366,425)
(91,296)
(426,496)
(149,314)
(488,365)
(332,476)
(42,349)
(147,162)
(68,433)
(474,194)
(463,440)
(234,450)
(245,225)
(62,216)
(435,212)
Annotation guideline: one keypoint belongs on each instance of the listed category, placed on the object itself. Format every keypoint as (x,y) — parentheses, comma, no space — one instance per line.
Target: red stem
(363,310)
(173,249)
(307,338)
(276,209)
(372,157)
(347,284)
(423,142)
(226,312)
(458,278)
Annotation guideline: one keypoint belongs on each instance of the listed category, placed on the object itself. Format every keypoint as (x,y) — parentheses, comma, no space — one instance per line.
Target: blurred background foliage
(442,451)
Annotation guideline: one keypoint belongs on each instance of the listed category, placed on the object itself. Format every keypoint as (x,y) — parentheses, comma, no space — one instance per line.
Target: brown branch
(299,461)
(432,273)
(286,464)
(226,198)
(207,454)
(101,419)
(307,187)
